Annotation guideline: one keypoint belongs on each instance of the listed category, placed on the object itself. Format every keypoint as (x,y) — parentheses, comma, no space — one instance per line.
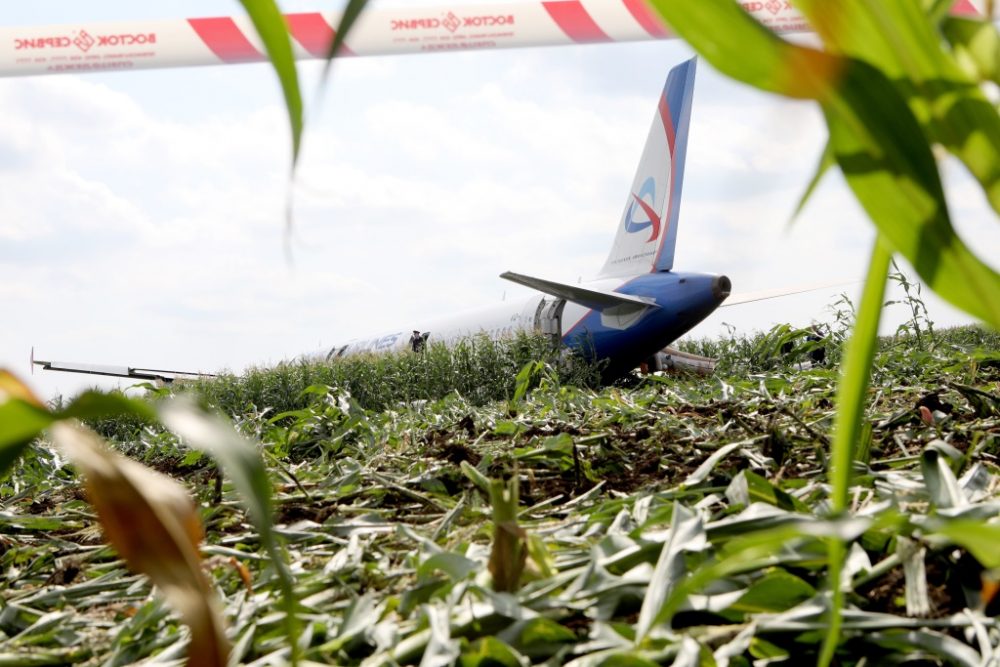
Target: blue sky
(141,213)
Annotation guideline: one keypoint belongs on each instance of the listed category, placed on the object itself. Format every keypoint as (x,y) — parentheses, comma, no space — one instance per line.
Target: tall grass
(479,369)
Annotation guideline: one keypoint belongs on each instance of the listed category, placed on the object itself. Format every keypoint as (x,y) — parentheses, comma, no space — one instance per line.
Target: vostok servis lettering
(83,41)
(452,22)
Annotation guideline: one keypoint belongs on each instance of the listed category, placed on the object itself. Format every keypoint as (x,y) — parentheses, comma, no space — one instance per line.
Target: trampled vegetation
(683,520)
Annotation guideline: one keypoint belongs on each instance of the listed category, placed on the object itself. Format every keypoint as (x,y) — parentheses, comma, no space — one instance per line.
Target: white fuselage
(536,314)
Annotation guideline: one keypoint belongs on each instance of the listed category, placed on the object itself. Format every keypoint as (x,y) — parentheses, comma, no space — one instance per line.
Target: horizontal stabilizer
(118,371)
(737,298)
(589,298)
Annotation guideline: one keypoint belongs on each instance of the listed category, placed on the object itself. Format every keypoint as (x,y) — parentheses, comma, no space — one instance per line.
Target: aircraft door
(536,322)
(548,317)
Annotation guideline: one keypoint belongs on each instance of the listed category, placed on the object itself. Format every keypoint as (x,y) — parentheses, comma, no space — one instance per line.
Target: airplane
(623,318)
(637,304)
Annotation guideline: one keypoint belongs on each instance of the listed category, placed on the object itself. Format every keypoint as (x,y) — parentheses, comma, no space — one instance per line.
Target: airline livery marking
(652,220)
(666,118)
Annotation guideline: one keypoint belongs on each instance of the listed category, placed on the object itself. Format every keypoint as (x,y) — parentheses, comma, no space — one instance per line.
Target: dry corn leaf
(152,522)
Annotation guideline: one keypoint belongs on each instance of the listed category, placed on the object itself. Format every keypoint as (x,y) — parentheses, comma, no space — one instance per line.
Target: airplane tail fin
(647,232)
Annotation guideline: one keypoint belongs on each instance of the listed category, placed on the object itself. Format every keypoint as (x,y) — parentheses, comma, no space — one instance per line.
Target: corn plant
(892,78)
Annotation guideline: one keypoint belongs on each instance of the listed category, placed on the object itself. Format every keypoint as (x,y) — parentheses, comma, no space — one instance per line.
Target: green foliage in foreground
(683,521)
(894,81)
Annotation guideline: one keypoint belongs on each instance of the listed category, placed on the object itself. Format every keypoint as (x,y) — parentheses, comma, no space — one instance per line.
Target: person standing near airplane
(418,341)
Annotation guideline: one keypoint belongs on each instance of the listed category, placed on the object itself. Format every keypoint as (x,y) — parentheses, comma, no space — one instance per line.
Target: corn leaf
(851,397)
(976,46)
(22,418)
(979,538)
(826,160)
(350,15)
(897,38)
(270,26)
(100,405)
(687,533)
(942,486)
(244,466)
(152,522)
(876,139)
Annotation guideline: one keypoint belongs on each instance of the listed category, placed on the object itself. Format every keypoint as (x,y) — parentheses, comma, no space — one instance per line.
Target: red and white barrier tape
(210,41)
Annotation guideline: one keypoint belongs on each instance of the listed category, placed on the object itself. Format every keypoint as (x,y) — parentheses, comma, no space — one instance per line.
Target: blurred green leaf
(27,522)
(350,15)
(153,523)
(20,423)
(889,166)
(876,139)
(273,32)
(762,649)
(243,464)
(826,160)
(22,418)
(855,373)
(724,34)
(749,487)
(102,405)
(976,45)
(456,566)
(489,652)
(525,378)
(852,392)
(953,651)
(541,631)
(476,477)
(942,485)
(774,592)
(979,538)
(898,39)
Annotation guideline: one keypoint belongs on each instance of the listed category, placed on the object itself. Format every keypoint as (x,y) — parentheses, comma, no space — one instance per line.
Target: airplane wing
(133,372)
(738,298)
(590,298)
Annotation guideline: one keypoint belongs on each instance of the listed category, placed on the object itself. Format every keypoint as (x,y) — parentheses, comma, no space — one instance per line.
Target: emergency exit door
(548,317)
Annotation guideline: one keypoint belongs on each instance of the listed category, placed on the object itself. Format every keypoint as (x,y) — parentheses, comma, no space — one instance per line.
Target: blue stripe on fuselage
(685,299)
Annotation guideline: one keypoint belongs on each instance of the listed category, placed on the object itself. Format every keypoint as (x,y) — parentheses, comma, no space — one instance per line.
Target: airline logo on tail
(648,189)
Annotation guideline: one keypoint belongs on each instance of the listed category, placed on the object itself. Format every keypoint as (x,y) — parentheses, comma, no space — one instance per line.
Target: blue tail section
(647,232)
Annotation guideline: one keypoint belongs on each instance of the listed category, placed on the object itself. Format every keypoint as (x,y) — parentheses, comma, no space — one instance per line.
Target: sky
(142,213)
